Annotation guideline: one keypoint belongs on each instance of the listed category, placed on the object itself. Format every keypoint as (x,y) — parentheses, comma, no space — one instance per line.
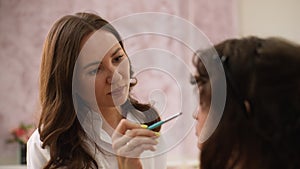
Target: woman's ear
(247,106)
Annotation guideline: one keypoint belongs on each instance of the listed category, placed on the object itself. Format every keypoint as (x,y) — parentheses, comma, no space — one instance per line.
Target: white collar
(93,121)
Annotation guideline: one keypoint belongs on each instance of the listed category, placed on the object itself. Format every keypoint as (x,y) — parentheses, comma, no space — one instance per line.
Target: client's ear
(247,106)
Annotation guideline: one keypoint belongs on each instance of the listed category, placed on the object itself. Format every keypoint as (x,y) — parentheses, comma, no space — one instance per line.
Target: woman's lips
(117,91)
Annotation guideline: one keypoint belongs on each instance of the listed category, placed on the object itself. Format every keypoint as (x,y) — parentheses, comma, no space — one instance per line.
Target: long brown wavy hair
(265,135)
(59,126)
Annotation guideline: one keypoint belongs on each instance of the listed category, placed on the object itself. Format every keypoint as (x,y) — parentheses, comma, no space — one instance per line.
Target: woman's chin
(199,145)
(117,101)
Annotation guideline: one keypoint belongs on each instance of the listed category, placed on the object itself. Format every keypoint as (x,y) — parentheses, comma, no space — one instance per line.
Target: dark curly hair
(266,74)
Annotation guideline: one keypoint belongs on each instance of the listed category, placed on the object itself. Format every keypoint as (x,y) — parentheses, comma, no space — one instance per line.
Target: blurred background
(24,25)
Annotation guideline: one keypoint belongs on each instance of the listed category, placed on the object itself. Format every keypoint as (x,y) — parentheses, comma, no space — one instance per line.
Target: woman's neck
(112,116)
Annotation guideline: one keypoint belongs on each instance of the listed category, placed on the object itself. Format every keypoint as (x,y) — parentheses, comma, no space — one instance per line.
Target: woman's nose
(195,114)
(113,77)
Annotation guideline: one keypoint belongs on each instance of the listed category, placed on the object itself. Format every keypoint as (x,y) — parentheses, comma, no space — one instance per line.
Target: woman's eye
(197,80)
(95,71)
(202,80)
(118,58)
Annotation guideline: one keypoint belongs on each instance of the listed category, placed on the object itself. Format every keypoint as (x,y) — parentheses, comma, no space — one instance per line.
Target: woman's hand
(129,140)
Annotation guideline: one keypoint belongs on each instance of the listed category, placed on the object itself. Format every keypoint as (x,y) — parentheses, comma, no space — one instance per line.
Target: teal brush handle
(155,125)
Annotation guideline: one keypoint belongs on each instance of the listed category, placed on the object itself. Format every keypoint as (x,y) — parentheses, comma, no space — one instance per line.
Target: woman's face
(103,71)
(204,106)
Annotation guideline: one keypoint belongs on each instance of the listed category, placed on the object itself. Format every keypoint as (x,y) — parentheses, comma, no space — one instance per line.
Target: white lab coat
(37,157)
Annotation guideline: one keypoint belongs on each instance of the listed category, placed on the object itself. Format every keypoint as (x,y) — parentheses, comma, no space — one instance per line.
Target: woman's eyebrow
(116,51)
(91,64)
(97,62)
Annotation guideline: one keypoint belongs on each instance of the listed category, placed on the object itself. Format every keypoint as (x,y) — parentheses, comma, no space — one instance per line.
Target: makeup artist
(85,84)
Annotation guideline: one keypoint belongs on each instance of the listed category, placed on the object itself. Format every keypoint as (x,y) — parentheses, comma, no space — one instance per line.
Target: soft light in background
(24,25)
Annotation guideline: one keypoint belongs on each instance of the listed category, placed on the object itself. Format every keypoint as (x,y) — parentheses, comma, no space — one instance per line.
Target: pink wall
(25,23)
